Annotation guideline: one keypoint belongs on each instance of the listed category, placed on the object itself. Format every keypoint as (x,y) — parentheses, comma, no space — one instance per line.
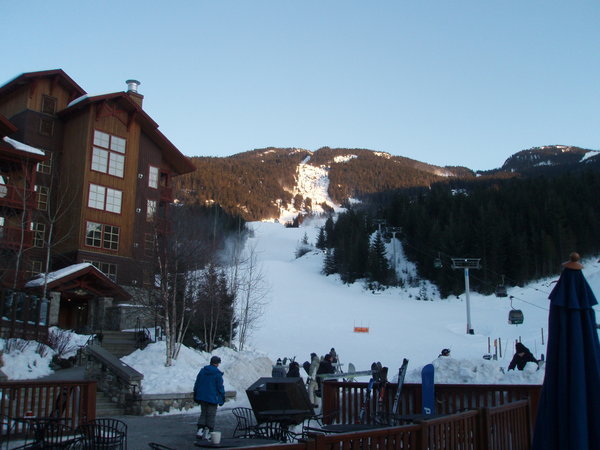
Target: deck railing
(343,400)
(23,316)
(73,401)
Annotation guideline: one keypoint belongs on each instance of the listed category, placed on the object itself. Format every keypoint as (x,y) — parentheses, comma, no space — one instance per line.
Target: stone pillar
(102,304)
(53,308)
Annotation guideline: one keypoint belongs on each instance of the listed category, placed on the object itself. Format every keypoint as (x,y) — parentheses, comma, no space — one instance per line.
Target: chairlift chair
(515,317)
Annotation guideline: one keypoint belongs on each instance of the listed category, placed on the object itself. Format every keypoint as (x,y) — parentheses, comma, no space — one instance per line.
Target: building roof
(178,160)
(80,277)
(6,127)
(58,74)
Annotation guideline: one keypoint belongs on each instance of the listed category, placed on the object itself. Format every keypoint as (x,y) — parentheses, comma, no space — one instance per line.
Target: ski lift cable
(525,301)
(484,282)
(432,254)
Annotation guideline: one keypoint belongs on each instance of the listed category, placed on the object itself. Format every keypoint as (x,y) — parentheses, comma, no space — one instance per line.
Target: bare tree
(252,290)
(57,207)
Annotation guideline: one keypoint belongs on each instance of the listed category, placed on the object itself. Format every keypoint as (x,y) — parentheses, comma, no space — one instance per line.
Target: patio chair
(246,424)
(104,434)
(313,423)
(274,430)
(56,435)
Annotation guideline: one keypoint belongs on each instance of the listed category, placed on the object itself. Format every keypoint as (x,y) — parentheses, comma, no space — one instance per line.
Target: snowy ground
(307,312)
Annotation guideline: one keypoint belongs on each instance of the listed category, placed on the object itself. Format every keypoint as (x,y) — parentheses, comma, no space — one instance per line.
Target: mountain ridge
(271,183)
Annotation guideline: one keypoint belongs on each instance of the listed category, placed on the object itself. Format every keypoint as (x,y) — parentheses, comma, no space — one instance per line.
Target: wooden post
(542,336)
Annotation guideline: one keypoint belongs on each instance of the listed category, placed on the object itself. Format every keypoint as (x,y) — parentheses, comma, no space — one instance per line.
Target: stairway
(105,407)
(119,343)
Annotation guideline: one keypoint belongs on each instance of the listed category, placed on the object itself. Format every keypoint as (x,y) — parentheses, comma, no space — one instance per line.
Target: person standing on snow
(325,367)
(278,370)
(522,357)
(294,370)
(209,392)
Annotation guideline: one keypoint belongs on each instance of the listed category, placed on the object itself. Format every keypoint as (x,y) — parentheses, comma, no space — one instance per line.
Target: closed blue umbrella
(569,409)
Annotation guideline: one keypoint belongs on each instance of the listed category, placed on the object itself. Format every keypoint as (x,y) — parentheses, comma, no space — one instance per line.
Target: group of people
(520,359)
(209,390)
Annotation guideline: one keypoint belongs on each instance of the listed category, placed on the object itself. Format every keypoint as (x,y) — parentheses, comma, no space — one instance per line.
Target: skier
(444,352)
(522,357)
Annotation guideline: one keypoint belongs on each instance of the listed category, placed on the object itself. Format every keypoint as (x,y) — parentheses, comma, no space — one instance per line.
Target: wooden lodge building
(83,179)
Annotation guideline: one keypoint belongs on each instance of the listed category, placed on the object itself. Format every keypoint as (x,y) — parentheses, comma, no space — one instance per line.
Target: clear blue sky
(448,82)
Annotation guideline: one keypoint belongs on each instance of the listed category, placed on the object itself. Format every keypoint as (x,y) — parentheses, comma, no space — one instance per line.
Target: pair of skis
(380,377)
(375,369)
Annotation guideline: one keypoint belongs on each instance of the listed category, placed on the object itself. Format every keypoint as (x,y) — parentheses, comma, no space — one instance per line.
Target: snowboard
(351,369)
(428,390)
(401,376)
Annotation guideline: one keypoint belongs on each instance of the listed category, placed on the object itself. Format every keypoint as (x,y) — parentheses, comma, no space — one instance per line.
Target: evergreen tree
(329,267)
(321,240)
(378,264)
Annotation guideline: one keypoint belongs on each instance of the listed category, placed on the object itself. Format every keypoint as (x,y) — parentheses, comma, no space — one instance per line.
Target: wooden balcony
(23,316)
(10,238)
(12,197)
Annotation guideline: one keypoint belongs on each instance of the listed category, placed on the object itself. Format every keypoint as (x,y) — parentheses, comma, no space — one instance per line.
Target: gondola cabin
(515,317)
(501,291)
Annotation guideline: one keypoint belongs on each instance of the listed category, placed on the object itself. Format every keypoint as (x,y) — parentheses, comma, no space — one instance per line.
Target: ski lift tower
(466,264)
(379,223)
(393,231)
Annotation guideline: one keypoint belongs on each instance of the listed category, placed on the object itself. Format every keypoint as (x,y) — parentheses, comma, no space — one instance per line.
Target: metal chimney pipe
(132,85)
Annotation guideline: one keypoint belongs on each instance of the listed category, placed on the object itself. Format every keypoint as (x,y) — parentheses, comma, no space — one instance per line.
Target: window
(108,154)
(149,244)
(35,269)
(45,166)
(102,236)
(153,177)
(39,234)
(110,270)
(111,237)
(150,210)
(48,104)
(42,197)
(46,126)
(106,199)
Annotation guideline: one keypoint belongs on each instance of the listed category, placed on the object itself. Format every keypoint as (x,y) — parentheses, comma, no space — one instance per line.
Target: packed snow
(308,312)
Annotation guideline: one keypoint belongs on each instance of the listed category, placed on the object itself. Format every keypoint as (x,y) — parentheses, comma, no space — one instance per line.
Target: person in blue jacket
(209,392)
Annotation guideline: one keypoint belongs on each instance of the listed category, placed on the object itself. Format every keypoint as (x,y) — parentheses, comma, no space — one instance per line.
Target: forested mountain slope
(259,183)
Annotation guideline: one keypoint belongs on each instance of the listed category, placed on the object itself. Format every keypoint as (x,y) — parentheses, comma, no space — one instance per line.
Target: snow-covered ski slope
(308,312)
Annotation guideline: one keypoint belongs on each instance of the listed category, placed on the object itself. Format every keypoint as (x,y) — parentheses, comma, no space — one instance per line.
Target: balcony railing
(12,197)
(10,237)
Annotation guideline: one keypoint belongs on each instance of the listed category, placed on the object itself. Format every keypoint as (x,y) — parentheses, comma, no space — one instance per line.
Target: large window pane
(96,197)
(153,177)
(99,160)
(93,234)
(113,200)
(117,144)
(111,237)
(117,164)
(101,139)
